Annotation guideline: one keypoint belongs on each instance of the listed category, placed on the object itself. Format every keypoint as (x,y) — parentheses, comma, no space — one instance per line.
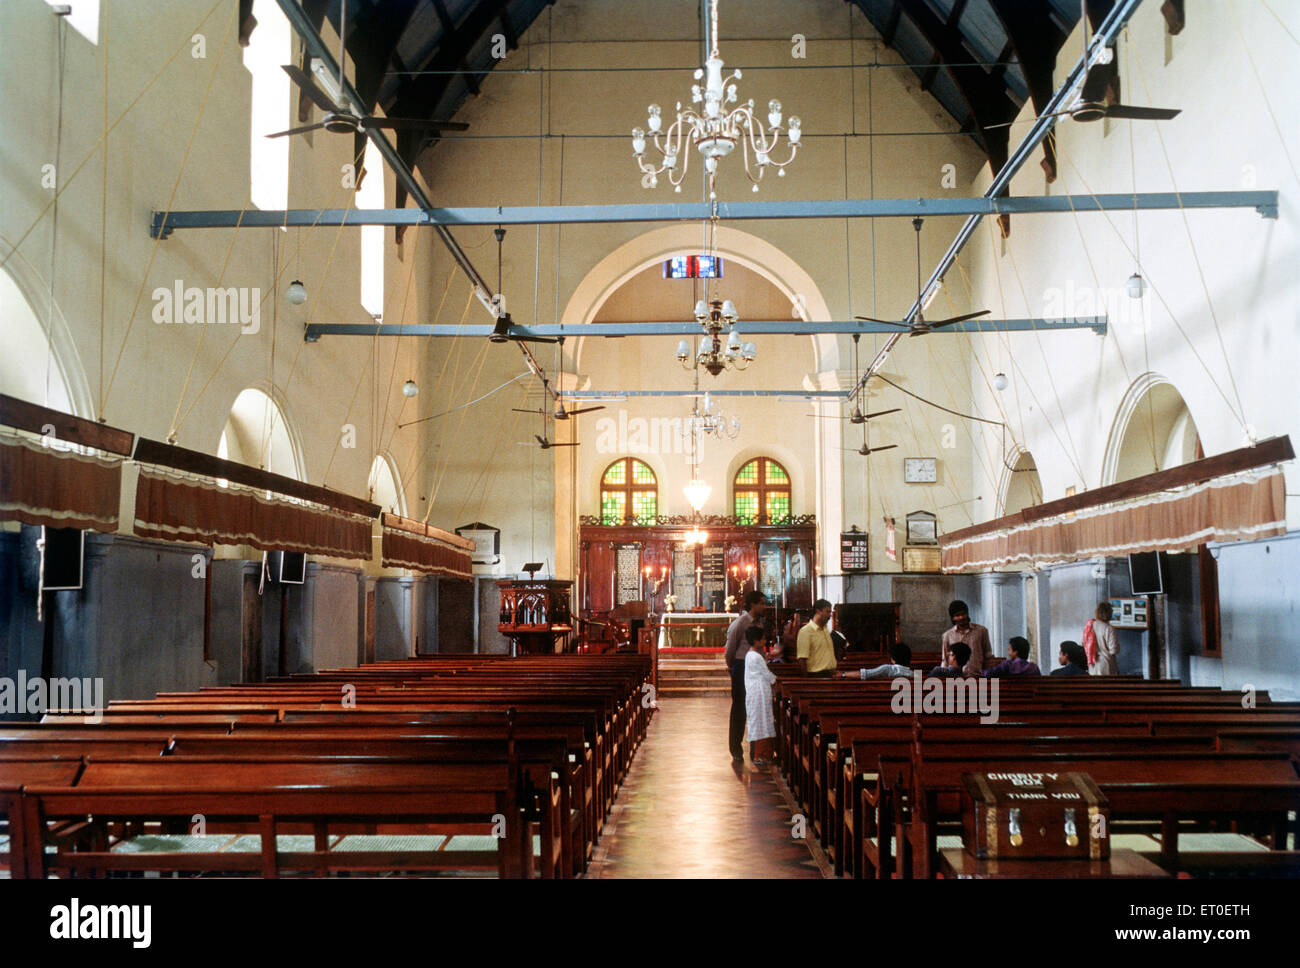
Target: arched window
(761,493)
(629,493)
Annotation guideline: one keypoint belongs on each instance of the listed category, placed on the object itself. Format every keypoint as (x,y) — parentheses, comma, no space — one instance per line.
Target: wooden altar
(536,614)
(694,630)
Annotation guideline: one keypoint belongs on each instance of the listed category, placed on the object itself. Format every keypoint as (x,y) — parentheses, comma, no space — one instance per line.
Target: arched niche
(385,486)
(1021,485)
(258,434)
(40,363)
(1153,431)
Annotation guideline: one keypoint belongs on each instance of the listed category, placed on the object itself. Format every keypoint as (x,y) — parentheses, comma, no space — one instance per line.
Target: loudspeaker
(65,553)
(287,567)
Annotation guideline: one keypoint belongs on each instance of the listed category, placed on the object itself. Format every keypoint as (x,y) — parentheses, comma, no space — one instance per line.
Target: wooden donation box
(535,614)
(1014,816)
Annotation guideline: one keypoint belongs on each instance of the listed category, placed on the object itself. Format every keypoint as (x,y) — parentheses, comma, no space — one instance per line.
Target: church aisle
(685,811)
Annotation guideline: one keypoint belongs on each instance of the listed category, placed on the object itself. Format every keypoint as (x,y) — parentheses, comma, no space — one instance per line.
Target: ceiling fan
(340,117)
(501,331)
(866,451)
(560,413)
(919,326)
(548,444)
(1090,105)
(856,417)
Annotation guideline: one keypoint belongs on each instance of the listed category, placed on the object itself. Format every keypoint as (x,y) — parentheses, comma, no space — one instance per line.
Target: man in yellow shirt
(816,651)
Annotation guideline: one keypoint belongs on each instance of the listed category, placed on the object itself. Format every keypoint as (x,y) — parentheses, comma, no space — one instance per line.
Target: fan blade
(571,444)
(308,86)
(871,450)
(309,127)
(541,440)
(881,413)
(1142,114)
(574,413)
(413,124)
(532,339)
(958,319)
(517,410)
(886,322)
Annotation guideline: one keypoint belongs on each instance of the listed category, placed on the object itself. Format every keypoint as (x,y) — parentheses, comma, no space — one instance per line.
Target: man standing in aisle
(975,636)
(816,651)
(734,655)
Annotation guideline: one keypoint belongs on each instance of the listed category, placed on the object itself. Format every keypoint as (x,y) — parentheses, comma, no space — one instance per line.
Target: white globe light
(1000,381)
(1136,286)
(296,293)
(410,388)
(683,350)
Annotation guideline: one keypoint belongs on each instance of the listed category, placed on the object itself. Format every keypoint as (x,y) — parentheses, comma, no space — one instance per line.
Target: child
(758,697)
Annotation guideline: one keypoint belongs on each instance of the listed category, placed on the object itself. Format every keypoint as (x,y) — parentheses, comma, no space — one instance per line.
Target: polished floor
(685,810)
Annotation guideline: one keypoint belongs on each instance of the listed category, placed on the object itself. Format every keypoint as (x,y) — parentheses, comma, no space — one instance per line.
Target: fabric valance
(195,509)
(59,489)
(412,544)
(1239,507)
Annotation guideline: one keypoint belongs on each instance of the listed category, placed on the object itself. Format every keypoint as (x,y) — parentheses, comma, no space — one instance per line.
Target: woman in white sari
(758,697)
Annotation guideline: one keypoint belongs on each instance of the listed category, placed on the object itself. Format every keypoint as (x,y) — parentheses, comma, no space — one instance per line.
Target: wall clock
(920,470)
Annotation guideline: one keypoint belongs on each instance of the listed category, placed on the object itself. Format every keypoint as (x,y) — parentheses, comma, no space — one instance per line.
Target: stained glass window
(761,493)
(629,493)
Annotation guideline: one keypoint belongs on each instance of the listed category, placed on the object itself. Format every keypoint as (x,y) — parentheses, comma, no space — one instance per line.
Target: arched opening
(257,434)
(628,285)
(1022,488)
(384,488)
(1153,431)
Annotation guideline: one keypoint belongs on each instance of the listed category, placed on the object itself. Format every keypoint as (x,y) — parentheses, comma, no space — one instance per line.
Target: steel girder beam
(610,396)
(753,327)
(1263,202)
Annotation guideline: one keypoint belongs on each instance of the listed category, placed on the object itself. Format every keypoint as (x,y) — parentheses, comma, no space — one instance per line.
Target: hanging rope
(1196,259)
(94,149)
(171,200)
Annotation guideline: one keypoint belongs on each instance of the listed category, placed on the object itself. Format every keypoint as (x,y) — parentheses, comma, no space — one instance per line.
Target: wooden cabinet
(868,626)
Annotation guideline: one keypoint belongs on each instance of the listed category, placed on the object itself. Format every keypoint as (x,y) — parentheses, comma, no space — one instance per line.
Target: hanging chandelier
(713,130)
(708,420)
(712,355)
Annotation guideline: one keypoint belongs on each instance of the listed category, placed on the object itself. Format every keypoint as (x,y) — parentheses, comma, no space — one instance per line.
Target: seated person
(1073,660)
(958,656)
(1018,664)
(902,656)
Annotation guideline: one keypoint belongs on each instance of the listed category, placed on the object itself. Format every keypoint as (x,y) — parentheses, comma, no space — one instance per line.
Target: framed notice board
(925,559)
(854,556)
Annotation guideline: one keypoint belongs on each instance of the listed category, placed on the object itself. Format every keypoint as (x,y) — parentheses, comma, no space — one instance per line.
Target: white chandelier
(715,132)
(711,355)
(708,420)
